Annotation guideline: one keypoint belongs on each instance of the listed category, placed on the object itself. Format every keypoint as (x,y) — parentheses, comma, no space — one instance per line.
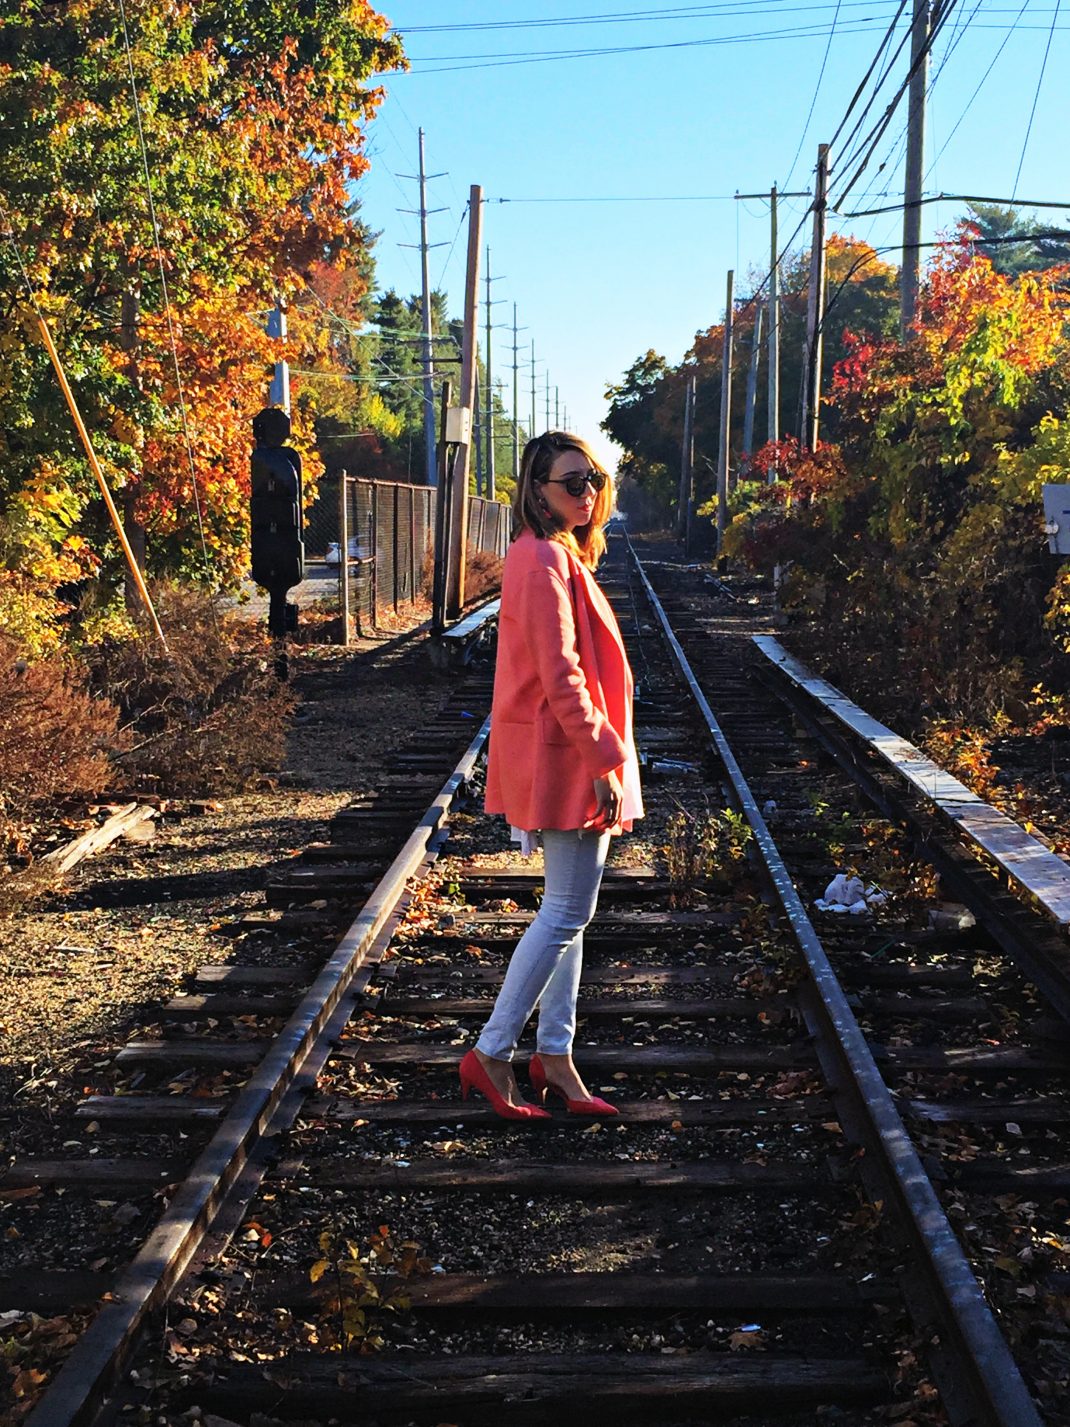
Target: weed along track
(755,1238)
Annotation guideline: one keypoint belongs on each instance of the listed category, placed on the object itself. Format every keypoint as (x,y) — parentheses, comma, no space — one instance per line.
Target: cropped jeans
(545,967)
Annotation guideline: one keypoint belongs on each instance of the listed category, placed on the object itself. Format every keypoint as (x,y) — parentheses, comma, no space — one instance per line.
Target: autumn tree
(253,119)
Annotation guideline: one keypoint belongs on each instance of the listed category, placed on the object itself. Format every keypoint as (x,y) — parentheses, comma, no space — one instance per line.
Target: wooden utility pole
(459,503)
(772,316)
(815,311)
(752,384)
(725,428)
(686,459)
(910,271)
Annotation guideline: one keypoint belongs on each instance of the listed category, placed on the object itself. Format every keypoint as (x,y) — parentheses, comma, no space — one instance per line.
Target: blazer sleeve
(550,628)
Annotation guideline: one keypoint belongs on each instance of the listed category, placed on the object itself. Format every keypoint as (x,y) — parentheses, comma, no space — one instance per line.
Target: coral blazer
(562,709)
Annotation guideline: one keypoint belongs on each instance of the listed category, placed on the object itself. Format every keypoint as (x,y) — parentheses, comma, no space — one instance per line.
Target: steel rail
(94,1364)
(993,1388)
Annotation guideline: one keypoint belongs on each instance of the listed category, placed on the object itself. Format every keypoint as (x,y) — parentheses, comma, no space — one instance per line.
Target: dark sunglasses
(578,481)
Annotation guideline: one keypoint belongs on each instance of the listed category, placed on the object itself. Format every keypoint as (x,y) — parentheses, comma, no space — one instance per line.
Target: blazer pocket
(550,731)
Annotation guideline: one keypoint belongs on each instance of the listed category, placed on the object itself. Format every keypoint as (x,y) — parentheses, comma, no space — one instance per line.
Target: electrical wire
(727,8)
(882,125)
(1036,97)
(977,90)
(813,101)
(183,413)
(448,64)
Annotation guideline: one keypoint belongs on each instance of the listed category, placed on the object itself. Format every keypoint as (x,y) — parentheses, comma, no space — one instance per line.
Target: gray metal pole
(773,324)
(425,314)
(477,430)
(516,399)
(752,384)
(725,429)
(533,416)
(343,553)
(910,272)
(488,415)
(548,401)
(557,408)
(815,310)
(459,505)
(279,392)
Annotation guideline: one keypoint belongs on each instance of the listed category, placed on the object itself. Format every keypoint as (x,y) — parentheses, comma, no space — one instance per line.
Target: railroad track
(725,1250)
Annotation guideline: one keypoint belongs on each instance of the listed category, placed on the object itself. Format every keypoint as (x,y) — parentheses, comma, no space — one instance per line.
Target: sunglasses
(578,481)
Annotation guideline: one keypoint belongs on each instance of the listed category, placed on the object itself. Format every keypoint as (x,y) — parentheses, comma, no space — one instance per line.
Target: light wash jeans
(545,967)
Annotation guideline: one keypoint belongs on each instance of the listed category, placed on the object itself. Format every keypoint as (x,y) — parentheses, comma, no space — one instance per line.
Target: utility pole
(815,311)
(459,494)
(725,430)
(687,456)
(427,358)
(752,384)
(548,400)
(772,313)
(533,416)
(516,398)
(557,408)
(910,272)
(488,418)
(477,432)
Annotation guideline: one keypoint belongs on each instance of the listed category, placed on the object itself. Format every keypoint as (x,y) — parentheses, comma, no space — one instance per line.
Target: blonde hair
(587,542)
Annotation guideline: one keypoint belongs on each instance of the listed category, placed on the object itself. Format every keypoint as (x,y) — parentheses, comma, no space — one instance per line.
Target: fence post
(373,545)
(396,534)
(343,554)
(412,545)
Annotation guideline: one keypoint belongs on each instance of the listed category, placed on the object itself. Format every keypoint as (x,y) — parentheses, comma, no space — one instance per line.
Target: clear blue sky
(676,132)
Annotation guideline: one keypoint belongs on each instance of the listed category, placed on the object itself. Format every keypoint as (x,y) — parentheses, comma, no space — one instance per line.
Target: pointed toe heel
(594,1105)
(473,1076)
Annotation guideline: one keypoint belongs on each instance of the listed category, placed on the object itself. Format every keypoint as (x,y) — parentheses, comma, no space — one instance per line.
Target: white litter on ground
(850,895)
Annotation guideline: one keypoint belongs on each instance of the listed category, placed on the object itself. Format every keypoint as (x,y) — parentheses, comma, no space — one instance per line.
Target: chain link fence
(389,530)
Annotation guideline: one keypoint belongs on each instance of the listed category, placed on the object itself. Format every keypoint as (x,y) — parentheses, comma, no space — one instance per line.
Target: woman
(562,764)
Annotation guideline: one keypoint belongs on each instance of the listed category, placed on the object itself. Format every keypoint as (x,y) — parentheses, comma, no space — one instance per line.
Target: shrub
(55,737)
(207,714)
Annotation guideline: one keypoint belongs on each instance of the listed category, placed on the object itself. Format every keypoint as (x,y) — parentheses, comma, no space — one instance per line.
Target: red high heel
(473,1075)
(594,1106)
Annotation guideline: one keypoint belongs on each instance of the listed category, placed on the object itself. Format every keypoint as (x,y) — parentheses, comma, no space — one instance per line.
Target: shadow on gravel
(227,883)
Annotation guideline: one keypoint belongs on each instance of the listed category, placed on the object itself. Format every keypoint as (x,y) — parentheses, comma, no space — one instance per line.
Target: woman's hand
(609,795)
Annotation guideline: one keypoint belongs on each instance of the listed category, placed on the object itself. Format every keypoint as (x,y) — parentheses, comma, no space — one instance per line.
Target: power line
(1036,95)
(977,90)
(813,101)
(727,9)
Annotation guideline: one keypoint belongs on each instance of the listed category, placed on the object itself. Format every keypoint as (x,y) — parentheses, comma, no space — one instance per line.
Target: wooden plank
(151,1112)
(600,1007)
(686,1113)
(1041,1111)
(92,1173)
(567,1293)
(253,975)
(126,820)
(548,1177)
(976,1060)
(631,975)
(1004,1178)
(1025,859)
(912,974)
(529,1390)
(648,1059)
(194,1051)
(223,1004)
(46,1291)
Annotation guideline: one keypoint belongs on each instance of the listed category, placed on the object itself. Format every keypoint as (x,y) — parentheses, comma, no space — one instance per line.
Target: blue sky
(676,132)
